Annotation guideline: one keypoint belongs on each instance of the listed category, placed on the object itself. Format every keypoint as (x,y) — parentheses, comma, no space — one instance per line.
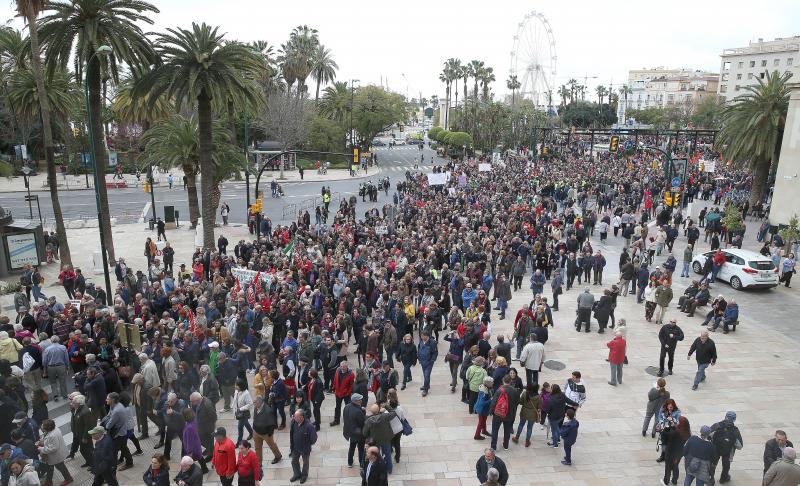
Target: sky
(403,45)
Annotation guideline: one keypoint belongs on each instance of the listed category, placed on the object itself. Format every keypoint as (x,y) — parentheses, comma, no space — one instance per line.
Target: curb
(377,171)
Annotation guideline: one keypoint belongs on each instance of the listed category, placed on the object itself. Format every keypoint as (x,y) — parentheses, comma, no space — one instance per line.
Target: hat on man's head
(5,447)
(98,430)
(356,397)
(221,431)
(20,417)
(730,415)
(705,430)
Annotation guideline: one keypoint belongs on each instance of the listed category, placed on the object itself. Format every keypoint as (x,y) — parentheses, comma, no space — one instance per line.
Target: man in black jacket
(773,449)
(375,473)
(206,414)
(504,417)
(354,417)
(488,461)
(668,335)
(727,439)
(264,423)
(104,458)
(190,474)
(706,356)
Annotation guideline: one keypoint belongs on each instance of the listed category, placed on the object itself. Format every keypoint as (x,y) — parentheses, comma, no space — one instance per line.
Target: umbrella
(713,217)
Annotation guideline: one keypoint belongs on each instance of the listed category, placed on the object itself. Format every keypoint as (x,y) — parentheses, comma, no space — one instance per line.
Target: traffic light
(257,206)
(545,151)
(613,146)
(668,198)
(146,186)
(676,199)
(702,166)
(355,155)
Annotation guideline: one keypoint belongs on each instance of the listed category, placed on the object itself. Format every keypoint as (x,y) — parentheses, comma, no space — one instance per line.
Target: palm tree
(487,76)
(197,68)
(601,93)
(335,102)
(625,90)
(513,84)
(564,94)
(297,55)
(30,10)
(175,142)
(475,70)
(752,128)
(574,90)
(71,33)
(324,67)
(14,49)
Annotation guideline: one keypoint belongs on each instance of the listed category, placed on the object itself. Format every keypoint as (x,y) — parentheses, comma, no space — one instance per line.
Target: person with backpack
(699,458)
(727,440)
(504,410)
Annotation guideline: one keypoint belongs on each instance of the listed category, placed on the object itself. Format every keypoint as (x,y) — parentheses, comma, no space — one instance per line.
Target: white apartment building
(743,66)
(660,88)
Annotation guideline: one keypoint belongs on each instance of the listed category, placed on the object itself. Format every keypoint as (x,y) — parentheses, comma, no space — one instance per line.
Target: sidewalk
(38,183)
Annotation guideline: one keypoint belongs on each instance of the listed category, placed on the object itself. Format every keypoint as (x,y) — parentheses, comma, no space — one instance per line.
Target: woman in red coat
(616,357)
(247,465)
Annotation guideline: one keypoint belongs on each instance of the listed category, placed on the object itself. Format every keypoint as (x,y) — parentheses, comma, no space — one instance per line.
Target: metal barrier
(290,210)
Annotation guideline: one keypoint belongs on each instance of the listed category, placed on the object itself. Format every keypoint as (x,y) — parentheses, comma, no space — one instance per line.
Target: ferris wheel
(533,59)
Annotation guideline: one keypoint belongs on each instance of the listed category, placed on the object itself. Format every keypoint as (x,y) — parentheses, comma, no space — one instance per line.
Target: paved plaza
(754,376)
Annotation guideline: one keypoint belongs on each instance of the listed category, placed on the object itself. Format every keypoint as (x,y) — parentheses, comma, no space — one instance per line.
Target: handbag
(407,429)
(453,358)
(397,425)
(242,415)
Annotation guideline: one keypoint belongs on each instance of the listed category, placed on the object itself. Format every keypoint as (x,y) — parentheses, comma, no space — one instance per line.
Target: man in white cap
(104,458)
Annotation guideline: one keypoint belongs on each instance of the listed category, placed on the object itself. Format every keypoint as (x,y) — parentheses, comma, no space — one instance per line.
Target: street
(128,205)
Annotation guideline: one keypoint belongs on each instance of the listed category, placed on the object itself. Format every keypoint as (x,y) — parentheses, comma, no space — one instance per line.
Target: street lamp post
(25,173)
(102,50)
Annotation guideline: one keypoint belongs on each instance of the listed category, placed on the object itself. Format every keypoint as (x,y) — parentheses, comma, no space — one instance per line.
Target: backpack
(501,407)
(25,279)
(724,440)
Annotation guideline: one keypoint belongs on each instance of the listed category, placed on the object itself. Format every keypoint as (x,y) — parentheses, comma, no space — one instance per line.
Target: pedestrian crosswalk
(396,147)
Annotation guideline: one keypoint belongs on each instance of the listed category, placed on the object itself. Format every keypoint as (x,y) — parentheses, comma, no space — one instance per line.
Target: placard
(22,250)
(709,165)
(484,167)
(381,230)
(437,179)
(246,276)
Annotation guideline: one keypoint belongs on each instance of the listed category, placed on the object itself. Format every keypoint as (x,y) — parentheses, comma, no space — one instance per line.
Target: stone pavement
(610,449)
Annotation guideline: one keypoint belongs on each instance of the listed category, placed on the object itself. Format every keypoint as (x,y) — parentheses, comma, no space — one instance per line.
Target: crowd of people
(309,312)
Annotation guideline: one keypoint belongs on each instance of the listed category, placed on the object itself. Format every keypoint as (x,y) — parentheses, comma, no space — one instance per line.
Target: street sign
(676,181)
(628,144)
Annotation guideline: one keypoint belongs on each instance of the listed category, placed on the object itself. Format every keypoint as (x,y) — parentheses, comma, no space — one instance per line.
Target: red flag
(193,324)
(257,283)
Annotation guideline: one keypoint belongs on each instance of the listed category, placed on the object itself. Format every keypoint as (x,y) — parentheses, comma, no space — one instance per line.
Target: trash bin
(151,223)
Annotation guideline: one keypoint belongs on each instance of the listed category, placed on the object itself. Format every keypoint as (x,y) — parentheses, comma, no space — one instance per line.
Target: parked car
(399,141)
(415,141)
(743,269)
(378,143)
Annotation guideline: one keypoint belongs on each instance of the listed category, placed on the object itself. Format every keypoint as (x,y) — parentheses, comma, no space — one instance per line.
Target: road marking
(145,210)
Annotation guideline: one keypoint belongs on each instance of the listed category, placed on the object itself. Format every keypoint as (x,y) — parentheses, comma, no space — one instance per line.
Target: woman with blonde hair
(501,370)
(262,382)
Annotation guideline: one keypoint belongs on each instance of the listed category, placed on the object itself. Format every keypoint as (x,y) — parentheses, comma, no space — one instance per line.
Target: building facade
(744,66)
(662,88)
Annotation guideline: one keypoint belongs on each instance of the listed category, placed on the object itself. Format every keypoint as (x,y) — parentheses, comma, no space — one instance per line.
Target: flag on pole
(250,294)
(288,249)
(257,283)
(193,324)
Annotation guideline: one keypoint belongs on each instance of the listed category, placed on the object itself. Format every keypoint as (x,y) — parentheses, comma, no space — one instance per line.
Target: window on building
(789,61)
(764,63)
(763,75)
(752,64)
(749,75)
(737,88)
(776,62)
(726,65)
(741,64)
(739,76)
(723,88)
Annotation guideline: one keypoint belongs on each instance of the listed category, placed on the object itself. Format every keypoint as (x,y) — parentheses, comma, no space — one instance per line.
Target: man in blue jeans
(504,410)
(706,356)
(426,355)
